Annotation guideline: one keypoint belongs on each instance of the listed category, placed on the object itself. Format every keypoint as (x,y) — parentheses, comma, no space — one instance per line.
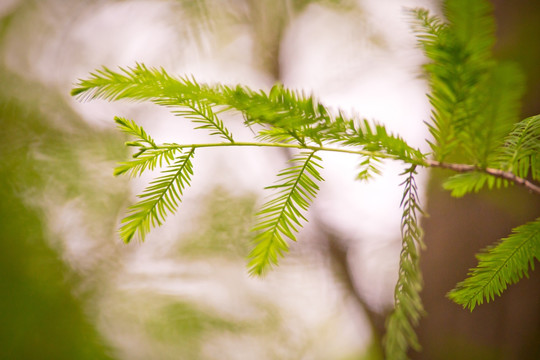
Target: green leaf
(499,111)
(131,128)
(281,217)
(472,24)
(408,308)
(472,107)
(201,113)
(501,265)
(520,153)
(474,181)
(285,116)
(369,166)
(147,159)
(149,156)
(160,198)
(147,84)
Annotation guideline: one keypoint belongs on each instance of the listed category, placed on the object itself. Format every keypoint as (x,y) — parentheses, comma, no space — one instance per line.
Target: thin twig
(461,168)
(281,145)
(507,175)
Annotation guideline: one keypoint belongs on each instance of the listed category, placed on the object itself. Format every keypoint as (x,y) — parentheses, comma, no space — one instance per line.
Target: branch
(507,175)
(280,145)
(460,168)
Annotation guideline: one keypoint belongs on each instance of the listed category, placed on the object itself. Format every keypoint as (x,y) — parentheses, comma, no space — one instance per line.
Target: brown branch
(507,175)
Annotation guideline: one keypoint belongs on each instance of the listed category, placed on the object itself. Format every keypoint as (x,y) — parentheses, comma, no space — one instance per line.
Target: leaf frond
(472,107)
(131,128)
(499,266)
(375,137)
(159,199)
(281,217)
(368,168)
(285,115)
(520,153)
(201,113)
(141,83)
(408,308)
(148,159)
(149,155)
(473,181)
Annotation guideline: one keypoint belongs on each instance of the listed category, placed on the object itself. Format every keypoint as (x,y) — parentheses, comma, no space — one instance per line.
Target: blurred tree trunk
(509,327)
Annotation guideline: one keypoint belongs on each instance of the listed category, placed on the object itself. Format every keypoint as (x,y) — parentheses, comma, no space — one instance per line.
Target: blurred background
(69,289)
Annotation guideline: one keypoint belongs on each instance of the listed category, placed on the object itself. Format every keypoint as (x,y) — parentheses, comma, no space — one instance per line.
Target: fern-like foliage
(149,155)
(501,265)
(520,153)
(203,114)
(408,306)
(286,116)
(469,182)
(472,107)
(368,168)
(517,157)
(475,102)
(160,198)
(376,138)
(281,217)
(143,84)
(131,128)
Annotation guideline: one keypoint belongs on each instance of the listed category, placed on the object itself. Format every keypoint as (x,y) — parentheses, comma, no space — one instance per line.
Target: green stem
(507,175)
(422,162)
(281,145)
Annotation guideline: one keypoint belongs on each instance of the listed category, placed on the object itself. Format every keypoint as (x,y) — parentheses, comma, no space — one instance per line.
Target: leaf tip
(76,91)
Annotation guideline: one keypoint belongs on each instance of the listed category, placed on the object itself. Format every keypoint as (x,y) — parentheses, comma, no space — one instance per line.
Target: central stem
(281,145)
(460,168)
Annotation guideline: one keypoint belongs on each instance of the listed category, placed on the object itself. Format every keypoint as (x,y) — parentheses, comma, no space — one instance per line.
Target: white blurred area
(362,61)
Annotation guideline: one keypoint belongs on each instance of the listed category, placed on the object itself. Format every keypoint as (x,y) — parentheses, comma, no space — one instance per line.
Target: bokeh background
(69,289)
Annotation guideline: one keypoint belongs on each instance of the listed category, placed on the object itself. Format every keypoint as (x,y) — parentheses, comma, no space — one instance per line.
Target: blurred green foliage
(223,226)
(41,317)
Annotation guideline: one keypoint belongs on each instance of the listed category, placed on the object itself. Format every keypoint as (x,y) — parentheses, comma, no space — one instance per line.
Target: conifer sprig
(499,266)
(131,128)
(148,159)
(141,83)
(286,116)
(149,155)
(511,163)
(520,153)
(472,107)
(471,125)
(202,113)
(159,199)
(281,217)
(408,308)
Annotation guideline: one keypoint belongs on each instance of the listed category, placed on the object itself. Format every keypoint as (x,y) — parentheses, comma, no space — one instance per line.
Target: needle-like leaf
(281,217)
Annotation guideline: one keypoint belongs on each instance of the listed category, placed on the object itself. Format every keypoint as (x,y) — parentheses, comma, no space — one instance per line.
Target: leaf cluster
(286,116)
(160,198)
(149,155)
(499,266)
(475,98)
(475,101)
(408,307)
(521,151)
(283,117)
(474,129)
(280,217)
